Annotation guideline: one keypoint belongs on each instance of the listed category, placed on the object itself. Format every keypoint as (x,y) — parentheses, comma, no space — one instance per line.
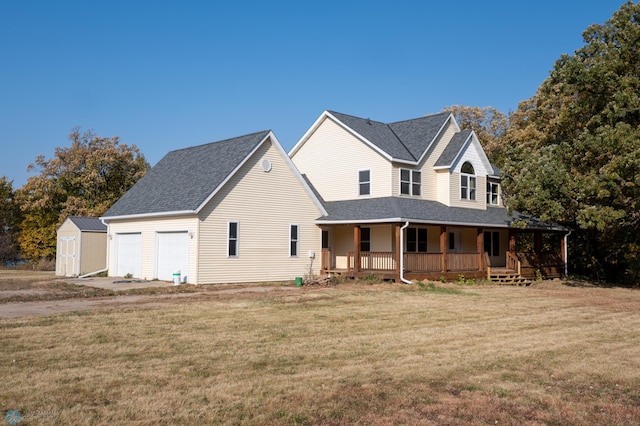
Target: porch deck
(436,266)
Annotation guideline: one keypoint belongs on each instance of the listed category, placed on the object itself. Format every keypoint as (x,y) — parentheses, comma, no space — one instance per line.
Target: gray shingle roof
(402,140)
(452,149)
(92,224)
(423,211)
(183,179)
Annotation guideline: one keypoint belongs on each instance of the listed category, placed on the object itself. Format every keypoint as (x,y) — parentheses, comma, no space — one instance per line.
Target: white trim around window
(467,182)
(233,239)
(364,182)
(493,193)
(410,182)
(294,240)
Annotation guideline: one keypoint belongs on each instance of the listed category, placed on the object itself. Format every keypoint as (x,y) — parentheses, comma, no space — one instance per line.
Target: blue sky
(165,75)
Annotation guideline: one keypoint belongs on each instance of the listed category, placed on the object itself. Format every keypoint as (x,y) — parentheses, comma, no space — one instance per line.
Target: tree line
(570,155)
(83,179)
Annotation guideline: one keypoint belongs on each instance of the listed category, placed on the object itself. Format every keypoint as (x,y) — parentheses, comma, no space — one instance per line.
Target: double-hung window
(293,240)
(364,182)
(492,243)
(467,182)
(365,239)
(410,182)
(232,241)
(493,190)
(416,240)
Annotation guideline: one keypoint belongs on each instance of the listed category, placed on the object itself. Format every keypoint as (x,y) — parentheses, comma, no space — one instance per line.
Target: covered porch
(414,251)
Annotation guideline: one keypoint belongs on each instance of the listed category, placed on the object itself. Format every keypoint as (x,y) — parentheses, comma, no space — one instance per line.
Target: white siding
(471,155)
(265,205)
(331,158)
(148,228)
(443,178)
(431,191)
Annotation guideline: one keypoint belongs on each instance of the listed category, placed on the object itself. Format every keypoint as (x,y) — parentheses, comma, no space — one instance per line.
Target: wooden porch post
(562,256)
(398,253)
(443,247)
(512,240)
(480,246)
(356,248)
(537,242)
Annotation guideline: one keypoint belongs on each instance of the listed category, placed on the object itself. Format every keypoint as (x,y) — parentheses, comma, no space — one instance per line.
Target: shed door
(129,255)
(67,256)
(172,255)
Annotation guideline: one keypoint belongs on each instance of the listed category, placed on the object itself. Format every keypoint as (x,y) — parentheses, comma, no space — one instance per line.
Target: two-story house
(408,200)
(417,199)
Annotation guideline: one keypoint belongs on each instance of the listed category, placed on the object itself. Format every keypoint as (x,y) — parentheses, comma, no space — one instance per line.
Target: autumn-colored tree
(574,155)
(488,123)
(9,220)
(84,179)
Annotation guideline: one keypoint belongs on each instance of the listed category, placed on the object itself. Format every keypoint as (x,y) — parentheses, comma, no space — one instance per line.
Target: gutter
(402,278)
(107,260)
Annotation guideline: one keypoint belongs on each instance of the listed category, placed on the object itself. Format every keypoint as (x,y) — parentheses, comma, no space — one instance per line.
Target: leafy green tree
(9,220)
(489,124)
(84,179)
(574,149)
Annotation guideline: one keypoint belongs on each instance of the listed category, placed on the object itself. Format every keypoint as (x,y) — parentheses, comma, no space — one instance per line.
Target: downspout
(406,225)
(566,254)
(107,268)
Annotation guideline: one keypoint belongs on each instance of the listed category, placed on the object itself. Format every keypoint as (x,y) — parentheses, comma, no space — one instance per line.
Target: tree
(574,148)
(84,179)
(488,123)
(9,220)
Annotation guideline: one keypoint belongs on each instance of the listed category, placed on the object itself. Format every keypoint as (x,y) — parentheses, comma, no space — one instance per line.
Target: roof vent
(266,165)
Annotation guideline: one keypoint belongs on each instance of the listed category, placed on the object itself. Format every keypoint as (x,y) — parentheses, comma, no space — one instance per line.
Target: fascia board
(148,215)
(297,173)
(360,137)
(308,133)
(233,172)
(418,221)
(457,128)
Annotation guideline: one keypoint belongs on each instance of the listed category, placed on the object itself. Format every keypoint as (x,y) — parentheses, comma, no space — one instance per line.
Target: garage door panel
(172,255)
(129,255)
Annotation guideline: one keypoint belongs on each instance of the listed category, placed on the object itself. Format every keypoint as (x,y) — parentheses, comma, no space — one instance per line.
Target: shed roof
(91,224)
(184,179)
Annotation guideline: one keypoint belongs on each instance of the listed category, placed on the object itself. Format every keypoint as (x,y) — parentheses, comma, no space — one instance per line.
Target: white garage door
(128,255)
(173,255)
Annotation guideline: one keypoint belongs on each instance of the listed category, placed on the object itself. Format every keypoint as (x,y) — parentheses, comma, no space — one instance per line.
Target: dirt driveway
(54,296)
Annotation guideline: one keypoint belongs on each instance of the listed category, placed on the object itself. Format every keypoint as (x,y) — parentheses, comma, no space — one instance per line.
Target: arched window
(467,182)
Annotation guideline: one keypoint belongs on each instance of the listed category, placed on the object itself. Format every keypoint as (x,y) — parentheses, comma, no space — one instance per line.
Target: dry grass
(368,354)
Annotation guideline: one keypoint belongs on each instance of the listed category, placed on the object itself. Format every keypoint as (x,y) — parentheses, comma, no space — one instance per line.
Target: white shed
(81,246)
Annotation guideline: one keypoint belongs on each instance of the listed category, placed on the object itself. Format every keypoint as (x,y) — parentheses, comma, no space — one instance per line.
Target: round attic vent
(266,165)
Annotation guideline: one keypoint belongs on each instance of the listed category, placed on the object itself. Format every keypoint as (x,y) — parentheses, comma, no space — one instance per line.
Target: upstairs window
(364,182)
(467,182)
(410,182)
(493,190)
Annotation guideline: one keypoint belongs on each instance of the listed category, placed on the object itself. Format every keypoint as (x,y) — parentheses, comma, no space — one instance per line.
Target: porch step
(509,278)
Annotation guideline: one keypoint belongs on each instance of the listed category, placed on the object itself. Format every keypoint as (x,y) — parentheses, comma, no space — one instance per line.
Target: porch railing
(417,262)
(373,261)
(513,263)
(424,262)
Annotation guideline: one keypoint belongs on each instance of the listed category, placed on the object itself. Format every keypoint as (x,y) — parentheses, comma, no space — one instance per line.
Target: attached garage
(172,255)
(129,255)
(81,246)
